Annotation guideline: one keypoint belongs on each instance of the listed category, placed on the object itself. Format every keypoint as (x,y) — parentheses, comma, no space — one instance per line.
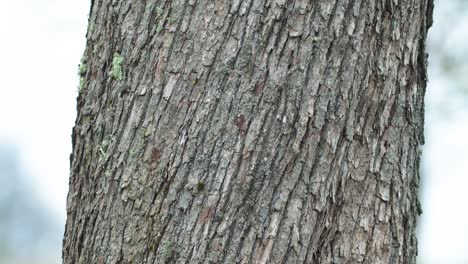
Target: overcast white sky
(40,48)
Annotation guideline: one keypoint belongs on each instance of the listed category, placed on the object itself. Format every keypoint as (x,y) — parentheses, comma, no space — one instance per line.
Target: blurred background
(40,48)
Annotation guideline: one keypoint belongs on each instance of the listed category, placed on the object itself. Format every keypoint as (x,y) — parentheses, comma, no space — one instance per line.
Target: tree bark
(256,131)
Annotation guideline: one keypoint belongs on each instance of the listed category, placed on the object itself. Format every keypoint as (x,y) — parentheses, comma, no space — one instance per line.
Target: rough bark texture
(255,131)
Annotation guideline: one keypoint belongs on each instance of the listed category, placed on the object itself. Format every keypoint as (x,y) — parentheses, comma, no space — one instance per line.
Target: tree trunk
(256,131)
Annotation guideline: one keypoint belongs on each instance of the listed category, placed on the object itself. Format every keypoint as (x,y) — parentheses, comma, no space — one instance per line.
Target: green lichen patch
(108,173)
(116,71)
(82,82)
(159,28)
(104,146)
(82,68)
(159,11)
(90,26)
(171,20)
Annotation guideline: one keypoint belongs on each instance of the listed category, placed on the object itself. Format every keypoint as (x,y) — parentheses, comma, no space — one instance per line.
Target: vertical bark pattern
(255,131)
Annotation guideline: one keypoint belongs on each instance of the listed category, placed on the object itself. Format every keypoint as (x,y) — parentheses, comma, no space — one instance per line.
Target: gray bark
(256,131)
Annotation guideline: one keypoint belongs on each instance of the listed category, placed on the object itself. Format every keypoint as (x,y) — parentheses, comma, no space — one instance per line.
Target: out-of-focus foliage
(29,232)
(448,59)
(447,42)
(442,226)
